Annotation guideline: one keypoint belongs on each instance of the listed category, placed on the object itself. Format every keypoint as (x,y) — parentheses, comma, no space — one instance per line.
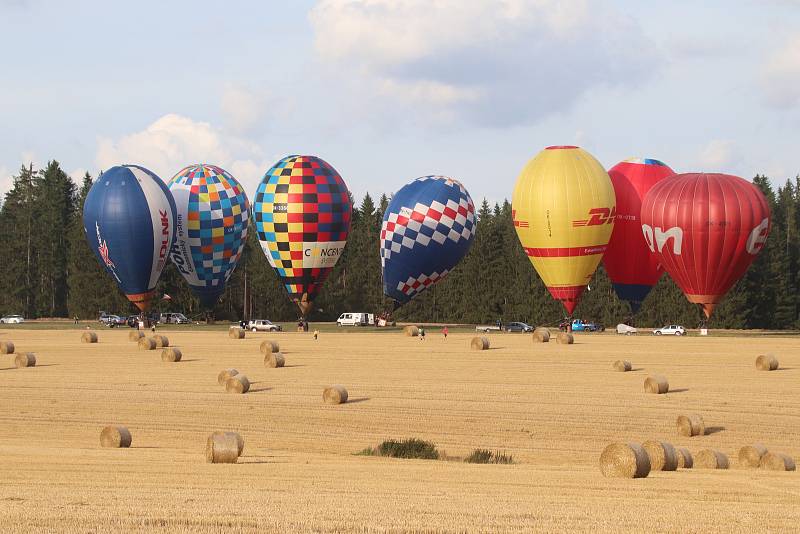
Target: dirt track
(553,407)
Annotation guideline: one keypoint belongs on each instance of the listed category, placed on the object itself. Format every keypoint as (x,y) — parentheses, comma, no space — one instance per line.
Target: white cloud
(487,61)
(174,141)
(242,109)
(6,181)
(719,155)
(781,75)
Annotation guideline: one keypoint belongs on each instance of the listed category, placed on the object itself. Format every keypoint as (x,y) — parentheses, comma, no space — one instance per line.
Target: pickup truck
(578,325)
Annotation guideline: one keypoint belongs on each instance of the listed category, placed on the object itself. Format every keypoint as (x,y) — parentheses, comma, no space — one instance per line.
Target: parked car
(518,327)
(112,321)
(356,319)
(262,325)
(671,330)
(12,319)
(578,325)
(173,318)
(628,330)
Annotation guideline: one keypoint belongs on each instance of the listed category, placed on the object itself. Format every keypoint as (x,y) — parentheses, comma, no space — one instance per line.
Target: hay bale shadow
(636,369)
(259,390)
(358,399)
(678,390)
(714,429)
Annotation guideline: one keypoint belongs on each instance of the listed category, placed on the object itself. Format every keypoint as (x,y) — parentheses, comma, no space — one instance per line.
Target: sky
(390,90)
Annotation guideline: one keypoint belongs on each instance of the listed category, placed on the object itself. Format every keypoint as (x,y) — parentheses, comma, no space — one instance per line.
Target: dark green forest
(49,271)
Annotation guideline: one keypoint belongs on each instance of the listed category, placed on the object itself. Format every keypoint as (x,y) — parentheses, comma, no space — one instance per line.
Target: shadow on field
(637,369)
(714,429)
(295,365)
(784,369)
(258,390)
(47,365)
(678,390)
(191,360)
(359,399)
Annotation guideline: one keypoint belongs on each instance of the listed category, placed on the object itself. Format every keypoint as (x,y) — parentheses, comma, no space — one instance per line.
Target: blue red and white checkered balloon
(211,230)
(427,228)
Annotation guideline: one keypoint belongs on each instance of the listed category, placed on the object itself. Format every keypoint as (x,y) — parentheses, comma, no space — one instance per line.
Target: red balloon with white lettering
(706,230)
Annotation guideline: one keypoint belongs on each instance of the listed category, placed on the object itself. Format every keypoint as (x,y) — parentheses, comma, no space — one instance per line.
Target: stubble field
(554,408)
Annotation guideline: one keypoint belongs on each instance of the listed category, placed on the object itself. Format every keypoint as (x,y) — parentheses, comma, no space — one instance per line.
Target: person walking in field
(421,333)
(316,333)
(444,332)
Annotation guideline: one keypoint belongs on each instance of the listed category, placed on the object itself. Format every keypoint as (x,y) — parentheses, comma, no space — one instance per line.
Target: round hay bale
(685,460)
(115,436)
(161,341)
(236,333)
(622,366)
(656,384)
(25,359)
(691,425)
(411,331)
(479,343)
(274,359)
(135,335)
(663,456)
(225,374)
(766,362)
(624,460)
(222,448)
(236,436)
(541,335)
(147,343)
(710,459)
(268,346)
(334,395)
(776,461)
(750,455)
(171,355)
(237,384)
(6,347)
(89,337)
(565,338)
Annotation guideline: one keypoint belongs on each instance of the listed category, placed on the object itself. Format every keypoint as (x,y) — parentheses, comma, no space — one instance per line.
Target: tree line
(49,271)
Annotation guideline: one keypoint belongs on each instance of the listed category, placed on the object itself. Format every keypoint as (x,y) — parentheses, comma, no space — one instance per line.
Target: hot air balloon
(210,230)
(633,270)
(302,212)
(129,222)
(706,230)
(427,228)
(563,209)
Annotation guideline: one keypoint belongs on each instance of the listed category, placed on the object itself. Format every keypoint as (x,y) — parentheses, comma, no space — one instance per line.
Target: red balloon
(633,270)
(706,230)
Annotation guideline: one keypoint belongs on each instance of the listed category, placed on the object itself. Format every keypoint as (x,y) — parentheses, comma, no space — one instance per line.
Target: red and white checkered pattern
(415,285)
(440,218)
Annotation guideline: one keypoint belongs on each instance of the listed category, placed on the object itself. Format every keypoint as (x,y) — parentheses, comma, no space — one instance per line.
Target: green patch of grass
(405,448)
(485,456)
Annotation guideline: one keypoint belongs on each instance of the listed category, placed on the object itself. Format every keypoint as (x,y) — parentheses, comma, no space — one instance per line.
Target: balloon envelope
(129,222)
(427,228)
(563,208)
(706,230)
(210,230)
(302,212)
(632,268)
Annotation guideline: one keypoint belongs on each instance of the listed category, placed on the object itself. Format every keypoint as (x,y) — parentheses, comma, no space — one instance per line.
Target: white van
(356,319)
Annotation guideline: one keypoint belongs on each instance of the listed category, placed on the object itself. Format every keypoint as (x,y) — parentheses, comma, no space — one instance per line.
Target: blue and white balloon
(427,229)
(129,222)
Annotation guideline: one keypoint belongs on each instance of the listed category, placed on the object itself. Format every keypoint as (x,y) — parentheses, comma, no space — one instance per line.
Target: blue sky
(387,91)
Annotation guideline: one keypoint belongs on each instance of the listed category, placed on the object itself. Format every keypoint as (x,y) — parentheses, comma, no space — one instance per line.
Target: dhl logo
(518,224)
(598,216)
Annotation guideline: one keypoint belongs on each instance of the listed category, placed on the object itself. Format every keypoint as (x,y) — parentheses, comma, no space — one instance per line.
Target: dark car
(518,327)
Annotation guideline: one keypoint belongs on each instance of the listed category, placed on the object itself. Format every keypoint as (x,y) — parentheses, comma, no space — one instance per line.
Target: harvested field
(298,471)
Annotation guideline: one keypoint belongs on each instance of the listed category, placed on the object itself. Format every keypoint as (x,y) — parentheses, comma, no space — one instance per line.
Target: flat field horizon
(552,407)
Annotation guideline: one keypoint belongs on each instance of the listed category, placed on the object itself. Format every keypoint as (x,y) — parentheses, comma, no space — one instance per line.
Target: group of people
(422,332)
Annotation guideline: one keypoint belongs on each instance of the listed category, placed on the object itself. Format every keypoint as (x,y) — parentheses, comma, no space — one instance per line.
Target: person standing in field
(316,333)
(444,332)
(421,333)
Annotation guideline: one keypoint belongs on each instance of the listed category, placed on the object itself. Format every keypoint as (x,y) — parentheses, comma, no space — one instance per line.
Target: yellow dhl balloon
(564,208)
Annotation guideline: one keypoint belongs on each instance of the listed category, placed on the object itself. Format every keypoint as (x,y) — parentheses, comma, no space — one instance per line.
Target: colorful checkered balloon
(213,213)
(302,212)
(427,228)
